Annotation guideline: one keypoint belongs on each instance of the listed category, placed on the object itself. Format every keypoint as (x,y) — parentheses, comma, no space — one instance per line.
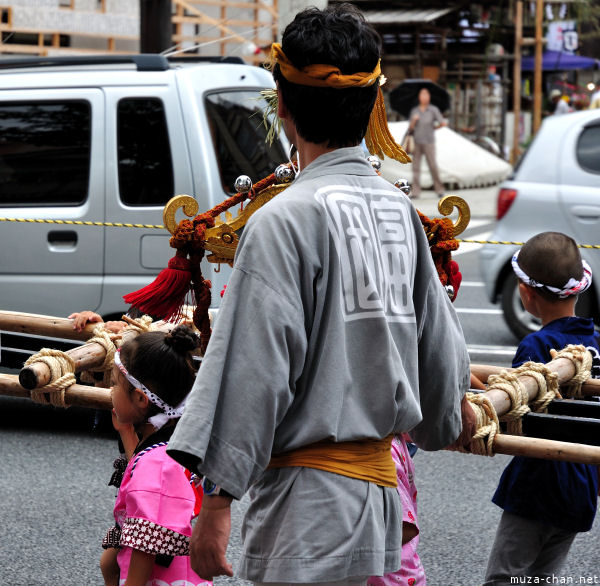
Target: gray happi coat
(334,327)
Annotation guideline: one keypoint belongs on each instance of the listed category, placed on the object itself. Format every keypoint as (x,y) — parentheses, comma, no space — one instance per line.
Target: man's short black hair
(340,36)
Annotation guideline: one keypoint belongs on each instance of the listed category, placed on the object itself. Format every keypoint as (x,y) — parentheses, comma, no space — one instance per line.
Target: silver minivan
(112,139)
(555,187)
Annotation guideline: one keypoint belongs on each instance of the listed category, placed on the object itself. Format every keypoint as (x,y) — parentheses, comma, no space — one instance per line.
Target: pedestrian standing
(424,120)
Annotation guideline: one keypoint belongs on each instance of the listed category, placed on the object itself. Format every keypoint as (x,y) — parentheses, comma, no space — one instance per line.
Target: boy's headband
(572,287)
(168,412)
(379,139)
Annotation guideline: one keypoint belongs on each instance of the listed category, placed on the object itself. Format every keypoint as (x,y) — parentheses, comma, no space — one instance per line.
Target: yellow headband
(378,138)
(322,75)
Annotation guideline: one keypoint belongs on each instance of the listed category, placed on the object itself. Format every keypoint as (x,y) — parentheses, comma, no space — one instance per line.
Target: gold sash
(369,460)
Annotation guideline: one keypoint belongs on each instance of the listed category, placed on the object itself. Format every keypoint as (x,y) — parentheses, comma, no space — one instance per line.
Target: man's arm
(208,544)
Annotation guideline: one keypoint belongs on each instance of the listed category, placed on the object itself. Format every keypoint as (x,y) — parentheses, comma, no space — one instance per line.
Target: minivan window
(44,152)
(238,133)
(144,152)
(588,149)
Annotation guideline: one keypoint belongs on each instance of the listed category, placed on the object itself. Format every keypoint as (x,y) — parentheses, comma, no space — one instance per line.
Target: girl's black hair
(340,36)
(163,363)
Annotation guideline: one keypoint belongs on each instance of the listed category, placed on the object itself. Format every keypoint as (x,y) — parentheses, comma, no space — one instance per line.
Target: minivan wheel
(518,320)
(521,322)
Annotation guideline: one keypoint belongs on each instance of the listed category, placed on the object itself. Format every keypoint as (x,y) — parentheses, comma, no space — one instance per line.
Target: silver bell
(284,174)
(450,291)
(243,184)
(403,185)
(375,162)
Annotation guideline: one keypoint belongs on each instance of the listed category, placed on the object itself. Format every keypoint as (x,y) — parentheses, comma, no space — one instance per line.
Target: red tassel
(165,296)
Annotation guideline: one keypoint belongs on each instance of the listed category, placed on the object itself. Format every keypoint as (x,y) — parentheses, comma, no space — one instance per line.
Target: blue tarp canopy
(558,61)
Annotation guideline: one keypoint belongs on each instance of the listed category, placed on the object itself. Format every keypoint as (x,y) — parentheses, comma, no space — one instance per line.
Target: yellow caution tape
(511,243)
(161,227)
(83,223)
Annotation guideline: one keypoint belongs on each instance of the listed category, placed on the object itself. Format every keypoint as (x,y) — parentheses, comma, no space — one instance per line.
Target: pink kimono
(154,508)
(411,573)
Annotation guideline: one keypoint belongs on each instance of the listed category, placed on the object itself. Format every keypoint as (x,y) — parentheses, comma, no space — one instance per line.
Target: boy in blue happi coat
(546,503)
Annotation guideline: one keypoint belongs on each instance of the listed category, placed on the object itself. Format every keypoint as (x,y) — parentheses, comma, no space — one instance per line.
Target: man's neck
(309,151)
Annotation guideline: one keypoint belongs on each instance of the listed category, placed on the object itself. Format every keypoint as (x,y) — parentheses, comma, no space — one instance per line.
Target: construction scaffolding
(199,27)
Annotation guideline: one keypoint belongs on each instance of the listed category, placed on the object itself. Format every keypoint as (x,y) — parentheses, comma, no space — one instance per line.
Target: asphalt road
(56,505)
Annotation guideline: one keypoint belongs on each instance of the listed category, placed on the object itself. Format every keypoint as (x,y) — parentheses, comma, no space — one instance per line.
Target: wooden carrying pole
(533,447)
(483,371)
(98,398)
(529,446)
(563,367)
(80,395)
(86,357)
(43,325)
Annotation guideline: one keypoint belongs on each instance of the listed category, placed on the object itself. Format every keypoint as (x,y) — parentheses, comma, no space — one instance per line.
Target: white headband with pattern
(168,412)
(572,287)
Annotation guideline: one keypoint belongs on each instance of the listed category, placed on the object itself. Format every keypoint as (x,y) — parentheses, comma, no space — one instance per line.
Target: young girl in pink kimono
(157,499)
(411,573)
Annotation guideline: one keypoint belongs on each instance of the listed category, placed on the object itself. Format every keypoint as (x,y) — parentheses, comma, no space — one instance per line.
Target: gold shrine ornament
(222,240)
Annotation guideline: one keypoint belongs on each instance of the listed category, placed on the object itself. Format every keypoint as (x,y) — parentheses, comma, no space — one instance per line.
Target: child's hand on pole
(82,318)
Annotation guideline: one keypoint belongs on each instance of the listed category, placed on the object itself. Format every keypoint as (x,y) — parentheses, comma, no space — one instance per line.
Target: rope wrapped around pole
(62,369)
(511,394)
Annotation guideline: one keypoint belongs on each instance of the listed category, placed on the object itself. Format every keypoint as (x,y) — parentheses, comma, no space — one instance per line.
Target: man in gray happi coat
(334,328)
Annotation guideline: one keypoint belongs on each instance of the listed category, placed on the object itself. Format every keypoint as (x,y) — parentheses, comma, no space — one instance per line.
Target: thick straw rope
(582,361)
(547,382)
(488,426)
(111,342)
(62,368)
(487,419)
(140,324)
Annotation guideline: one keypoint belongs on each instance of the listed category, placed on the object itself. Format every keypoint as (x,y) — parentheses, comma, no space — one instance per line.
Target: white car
(555,187)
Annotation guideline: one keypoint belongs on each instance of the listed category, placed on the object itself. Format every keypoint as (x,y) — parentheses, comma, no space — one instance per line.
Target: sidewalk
(481,200)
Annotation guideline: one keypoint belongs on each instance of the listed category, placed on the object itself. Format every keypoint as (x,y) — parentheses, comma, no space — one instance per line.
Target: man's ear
(282,110)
